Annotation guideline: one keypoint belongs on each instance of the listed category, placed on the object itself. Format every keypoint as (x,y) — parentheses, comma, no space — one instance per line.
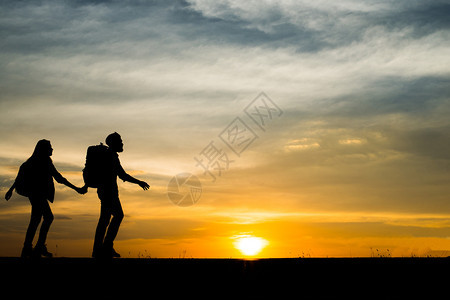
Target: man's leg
(117,213)
(103,221)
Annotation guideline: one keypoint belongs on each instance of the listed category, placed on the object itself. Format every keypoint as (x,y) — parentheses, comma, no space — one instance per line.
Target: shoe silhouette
(41,251)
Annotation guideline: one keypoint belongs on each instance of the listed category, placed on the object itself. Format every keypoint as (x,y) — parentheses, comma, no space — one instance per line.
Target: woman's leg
(35,219)
(48,219)
(40,208)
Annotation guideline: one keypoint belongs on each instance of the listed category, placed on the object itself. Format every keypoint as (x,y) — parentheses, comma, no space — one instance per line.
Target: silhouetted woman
(38,185)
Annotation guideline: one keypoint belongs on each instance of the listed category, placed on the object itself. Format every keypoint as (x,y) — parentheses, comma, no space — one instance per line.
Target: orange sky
(354,161)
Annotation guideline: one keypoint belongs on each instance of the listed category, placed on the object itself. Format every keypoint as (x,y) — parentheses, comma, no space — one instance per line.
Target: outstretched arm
(10,191)
(127,177)
(144,185)
(82,190)
(60,179)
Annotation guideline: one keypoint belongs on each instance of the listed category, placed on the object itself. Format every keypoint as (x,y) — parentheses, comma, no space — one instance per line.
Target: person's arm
(10,191)
(127,177)
(60,179)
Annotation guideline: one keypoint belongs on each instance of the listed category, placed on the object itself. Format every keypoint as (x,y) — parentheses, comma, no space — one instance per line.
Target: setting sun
(250,245)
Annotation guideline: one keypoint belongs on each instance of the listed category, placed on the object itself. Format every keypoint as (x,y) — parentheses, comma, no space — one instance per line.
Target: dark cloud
(317,26)
(374,229)
(423,17)
(81,26)
(86,38)
(433,143)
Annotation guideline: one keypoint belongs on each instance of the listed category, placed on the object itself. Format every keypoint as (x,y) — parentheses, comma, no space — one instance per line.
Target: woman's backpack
(22,183)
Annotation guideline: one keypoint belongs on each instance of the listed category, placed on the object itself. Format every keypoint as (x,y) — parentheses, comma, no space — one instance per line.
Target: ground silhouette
(296,278)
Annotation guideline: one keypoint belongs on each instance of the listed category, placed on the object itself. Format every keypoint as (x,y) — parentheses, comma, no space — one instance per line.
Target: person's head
(114,141)
(43,149)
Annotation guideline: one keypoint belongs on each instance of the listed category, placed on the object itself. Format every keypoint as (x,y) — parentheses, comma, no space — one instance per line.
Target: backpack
(95,169)
(22,183)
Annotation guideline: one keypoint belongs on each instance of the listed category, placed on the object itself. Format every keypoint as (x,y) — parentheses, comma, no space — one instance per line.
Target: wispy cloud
(363,85)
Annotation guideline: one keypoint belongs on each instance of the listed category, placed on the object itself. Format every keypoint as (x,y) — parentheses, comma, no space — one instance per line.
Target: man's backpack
(95,169)
(22,183)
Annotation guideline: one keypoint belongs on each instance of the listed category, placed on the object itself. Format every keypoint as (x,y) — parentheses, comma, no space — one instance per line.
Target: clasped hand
(82,190)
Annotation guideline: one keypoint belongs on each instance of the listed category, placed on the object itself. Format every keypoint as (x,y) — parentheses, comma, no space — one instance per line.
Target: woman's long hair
(42,149)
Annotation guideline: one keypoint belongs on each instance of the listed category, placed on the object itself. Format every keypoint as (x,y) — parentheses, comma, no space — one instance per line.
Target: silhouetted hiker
(101,171)
(35,181)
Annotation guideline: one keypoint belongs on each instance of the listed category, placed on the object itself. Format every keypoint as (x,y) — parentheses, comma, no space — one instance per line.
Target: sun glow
(250,245)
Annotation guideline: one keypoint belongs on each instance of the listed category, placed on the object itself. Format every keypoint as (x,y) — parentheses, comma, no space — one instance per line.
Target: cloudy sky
(358,160)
